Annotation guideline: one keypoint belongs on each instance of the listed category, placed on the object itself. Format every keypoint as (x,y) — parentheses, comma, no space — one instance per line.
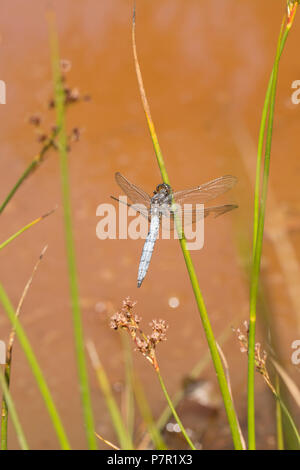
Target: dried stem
(7,368)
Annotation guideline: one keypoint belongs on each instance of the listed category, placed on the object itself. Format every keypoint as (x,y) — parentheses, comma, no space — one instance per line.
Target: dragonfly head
(162,188)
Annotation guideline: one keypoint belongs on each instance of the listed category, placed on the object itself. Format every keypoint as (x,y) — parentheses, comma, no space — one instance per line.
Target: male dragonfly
(160,204)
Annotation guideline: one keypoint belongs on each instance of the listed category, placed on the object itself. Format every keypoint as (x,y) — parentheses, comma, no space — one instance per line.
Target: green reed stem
(145,410)
(174,411)
(30,169)
(129,407)
(279,427)
(23,229)
(124,436)
(4,409)
(194,374)
(259,218)
(261,137)
(9,353)
(232,418)
(290,420)
(37,372)
(59,96)
(14,416)
(116,418)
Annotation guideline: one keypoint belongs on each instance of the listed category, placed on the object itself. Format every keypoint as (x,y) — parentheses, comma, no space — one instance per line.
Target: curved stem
(30,169)
(232,417)
(259,219)
(14,416)
(37,372)
(174,411)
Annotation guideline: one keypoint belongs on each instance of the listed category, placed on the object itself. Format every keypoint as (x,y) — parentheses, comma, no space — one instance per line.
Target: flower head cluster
(259,353)
(291,7)
(48,138)
(72,95)
(128,320)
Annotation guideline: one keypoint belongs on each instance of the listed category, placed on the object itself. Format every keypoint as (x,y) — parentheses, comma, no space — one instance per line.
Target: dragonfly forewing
(205,192)
(134,193)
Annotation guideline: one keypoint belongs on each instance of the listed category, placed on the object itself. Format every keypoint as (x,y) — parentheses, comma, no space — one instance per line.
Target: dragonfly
(161,204)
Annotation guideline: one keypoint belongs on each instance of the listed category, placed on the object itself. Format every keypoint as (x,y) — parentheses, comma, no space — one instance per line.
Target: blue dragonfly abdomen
(148,247)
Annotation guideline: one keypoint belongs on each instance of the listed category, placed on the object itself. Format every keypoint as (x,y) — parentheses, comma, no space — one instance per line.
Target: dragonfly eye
(163,186)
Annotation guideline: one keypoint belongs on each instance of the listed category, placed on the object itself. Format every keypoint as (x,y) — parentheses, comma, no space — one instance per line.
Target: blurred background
(205,66)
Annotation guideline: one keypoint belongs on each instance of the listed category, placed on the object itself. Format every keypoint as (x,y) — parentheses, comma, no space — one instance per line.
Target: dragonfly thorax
(162,194)
(161,200)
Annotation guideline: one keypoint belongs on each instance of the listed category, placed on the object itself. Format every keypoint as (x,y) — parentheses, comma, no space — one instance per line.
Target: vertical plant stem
(77,322)
(174,411)
(13,414)
(194,375)
(290,421)
(4,409)
(259,218)
(37,372)
(123,435)
(129,408)
(232,418)
(279,428)
(145,411)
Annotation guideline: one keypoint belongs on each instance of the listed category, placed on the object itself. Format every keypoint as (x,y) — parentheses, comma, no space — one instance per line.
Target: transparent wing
(133,192)
(140,208)
(206,191)
(190,217)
